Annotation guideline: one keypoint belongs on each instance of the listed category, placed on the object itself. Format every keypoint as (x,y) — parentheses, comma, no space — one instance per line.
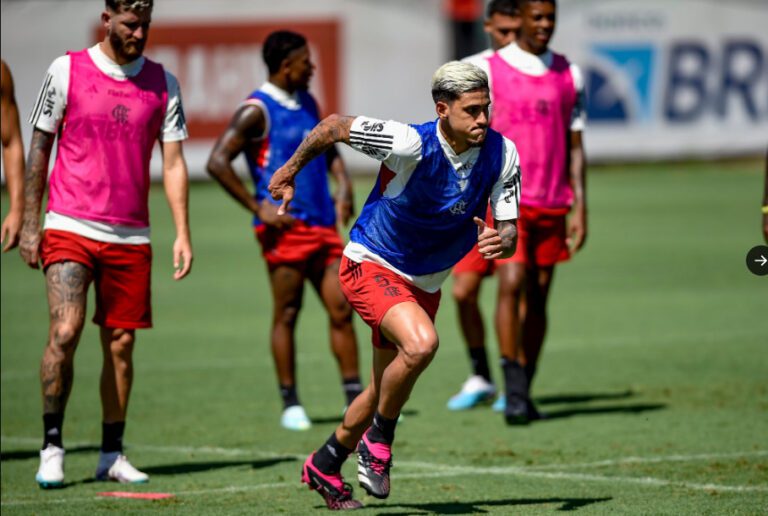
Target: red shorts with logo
(121,275)
(541,234)
(299,243)
(372,290)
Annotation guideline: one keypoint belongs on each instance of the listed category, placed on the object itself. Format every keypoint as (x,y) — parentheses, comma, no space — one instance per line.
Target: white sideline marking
(434,470)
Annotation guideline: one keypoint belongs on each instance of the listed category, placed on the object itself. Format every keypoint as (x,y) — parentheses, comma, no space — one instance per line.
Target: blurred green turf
(655,374)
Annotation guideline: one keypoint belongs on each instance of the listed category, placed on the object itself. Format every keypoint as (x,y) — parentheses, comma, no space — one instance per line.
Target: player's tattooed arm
(247,124)
(508,233)
(333,129)
(35,177)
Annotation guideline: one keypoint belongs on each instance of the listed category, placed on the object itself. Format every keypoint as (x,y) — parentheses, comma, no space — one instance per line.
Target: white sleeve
(505,196)
(579,115)
(174,125)
(52,100)
(397,145)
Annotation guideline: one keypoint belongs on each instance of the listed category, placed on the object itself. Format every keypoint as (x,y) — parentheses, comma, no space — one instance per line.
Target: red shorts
(299,243)
(121,275)
(541,234)
(372,290)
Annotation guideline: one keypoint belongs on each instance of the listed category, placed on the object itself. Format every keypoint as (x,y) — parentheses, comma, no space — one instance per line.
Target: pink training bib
(105,144)
(535,113)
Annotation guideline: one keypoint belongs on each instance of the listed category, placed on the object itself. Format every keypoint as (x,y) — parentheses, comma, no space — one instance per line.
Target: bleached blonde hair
(456,77)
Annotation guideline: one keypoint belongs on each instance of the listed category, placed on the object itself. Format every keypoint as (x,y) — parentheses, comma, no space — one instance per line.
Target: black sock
(331,455)
(352,388)
(479,361)
(514,377)
(112,437)
(530,370)
(382,430)
(290,398)
(52,424)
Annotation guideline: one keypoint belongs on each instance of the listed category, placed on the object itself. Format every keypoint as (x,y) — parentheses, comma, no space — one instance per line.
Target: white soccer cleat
(475,390)
(295,418)
(115,466)
(50,474)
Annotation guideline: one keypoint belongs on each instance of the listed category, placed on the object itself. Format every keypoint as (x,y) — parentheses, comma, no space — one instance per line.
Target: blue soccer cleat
(476,390)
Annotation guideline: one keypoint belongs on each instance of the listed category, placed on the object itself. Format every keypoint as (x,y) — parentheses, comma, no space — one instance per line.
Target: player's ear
(442,109)
(106,20)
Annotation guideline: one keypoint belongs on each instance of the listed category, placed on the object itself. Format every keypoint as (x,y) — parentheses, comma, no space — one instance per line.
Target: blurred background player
(13,161)
(539,103)
(501,24)
(422,216)
(765,202)
(303,244)
(109,105)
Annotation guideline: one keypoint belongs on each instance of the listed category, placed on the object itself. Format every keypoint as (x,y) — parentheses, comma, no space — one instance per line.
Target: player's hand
(577,230)
(345,208)
(11,230)
(29,245)
(282,186)
(765,227)
(269,215)
(182,257)
(488,240)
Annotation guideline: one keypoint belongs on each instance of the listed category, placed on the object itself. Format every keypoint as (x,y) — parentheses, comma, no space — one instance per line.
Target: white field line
(434,470)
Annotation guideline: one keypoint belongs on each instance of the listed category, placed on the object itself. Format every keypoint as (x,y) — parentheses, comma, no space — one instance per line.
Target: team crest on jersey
(460,208)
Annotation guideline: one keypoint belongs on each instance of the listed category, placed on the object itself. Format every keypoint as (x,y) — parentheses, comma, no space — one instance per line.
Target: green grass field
(655,375)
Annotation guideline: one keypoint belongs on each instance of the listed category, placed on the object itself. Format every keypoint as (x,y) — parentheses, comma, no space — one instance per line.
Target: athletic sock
(530,370)
(479,360)
(382,430)
(288,393)
(52,424)
(514,377)
(112,437)
(352,388)
(331,455)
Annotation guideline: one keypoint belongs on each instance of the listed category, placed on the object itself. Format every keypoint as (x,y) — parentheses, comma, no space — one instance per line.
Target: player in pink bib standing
(109,105)
(538,102)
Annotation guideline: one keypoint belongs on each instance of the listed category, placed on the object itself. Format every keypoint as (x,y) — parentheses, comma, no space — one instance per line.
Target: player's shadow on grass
(338,419)
(35,454)
(583,397)
(199,467)
(638,408)
(565,504)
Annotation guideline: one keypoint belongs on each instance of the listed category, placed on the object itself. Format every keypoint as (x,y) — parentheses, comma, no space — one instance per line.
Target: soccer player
(108,105)
(423,215)
(502,23)
(765,203)
(13,161)
(539,103)
(303,244)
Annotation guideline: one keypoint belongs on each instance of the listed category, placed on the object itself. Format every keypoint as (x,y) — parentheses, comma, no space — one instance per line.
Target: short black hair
(128,5)
(521,3)
(506,7)
(278,46)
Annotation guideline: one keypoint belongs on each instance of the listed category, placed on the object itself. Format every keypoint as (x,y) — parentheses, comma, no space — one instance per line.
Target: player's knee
(340,314)
(64,337)
(287,315)
(121,346)
(419,350)
(464,294)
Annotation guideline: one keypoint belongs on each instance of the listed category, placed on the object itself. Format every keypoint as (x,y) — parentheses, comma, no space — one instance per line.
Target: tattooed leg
(116,373)
(67,285)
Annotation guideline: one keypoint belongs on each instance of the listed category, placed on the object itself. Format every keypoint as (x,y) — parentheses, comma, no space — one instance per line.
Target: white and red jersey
(51,114)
